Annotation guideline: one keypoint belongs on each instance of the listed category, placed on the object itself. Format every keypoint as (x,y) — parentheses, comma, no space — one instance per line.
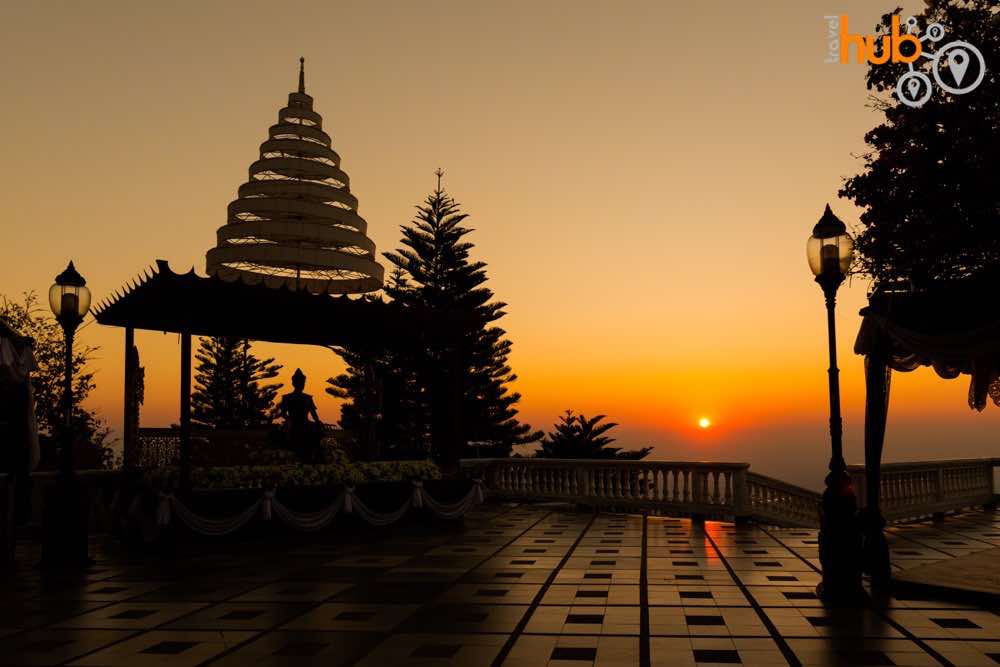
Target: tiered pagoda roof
(295,221)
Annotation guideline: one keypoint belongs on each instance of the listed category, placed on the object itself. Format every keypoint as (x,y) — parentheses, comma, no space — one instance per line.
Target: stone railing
(781,503)
(706,489)
(909,490)
(924,488)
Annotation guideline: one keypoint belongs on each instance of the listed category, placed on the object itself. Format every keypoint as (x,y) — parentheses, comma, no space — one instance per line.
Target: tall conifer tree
(434,274)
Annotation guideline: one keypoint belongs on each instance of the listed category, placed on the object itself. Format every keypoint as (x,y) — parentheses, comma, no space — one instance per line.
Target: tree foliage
(231,389)
(92,443)
(579,437)
(395,390)
(928,186)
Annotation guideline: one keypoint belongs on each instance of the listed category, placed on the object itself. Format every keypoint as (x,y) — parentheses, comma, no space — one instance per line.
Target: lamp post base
(840,543)
(65,531)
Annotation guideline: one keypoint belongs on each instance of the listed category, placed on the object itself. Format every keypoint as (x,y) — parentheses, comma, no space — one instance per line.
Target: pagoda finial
(302,75)
(439,173)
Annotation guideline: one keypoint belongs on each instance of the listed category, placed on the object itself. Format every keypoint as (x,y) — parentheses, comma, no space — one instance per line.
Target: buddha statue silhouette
(302,436)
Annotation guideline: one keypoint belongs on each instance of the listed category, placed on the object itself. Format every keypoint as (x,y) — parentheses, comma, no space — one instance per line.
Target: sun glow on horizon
(704,423)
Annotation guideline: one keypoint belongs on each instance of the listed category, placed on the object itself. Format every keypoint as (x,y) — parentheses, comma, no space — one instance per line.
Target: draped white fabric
(950,353)
(269,507)
(17,359)
(212,527)
(307,521)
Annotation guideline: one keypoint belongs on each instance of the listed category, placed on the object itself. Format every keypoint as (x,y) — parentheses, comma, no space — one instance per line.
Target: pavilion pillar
(185,410)
(876,549)
(455,394)
(128,404)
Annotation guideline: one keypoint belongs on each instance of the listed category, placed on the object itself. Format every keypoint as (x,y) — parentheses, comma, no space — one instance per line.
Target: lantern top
(70,277)
(829,225)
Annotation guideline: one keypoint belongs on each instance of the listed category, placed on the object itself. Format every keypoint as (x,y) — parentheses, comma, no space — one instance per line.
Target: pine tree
(577,437)
(434,273)
(230,389)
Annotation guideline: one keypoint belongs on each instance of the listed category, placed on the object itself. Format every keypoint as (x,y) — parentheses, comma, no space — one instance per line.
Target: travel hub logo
(957,67)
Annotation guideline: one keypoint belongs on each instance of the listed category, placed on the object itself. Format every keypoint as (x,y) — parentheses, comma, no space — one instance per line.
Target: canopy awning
(954,328)
(17,357)
(161,300)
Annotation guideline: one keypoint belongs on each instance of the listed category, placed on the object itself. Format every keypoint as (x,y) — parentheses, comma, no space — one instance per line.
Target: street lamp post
(65,541)
(830,251)
(69,299)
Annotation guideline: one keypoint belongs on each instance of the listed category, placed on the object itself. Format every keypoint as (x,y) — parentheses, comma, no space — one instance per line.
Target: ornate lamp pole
(830,251)
(65,540)
(69,299)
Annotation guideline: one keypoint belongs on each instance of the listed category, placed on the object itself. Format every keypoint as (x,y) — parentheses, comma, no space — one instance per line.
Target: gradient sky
(641,176)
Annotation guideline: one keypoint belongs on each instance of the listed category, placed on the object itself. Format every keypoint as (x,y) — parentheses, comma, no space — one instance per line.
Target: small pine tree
(230,389)
(577,437)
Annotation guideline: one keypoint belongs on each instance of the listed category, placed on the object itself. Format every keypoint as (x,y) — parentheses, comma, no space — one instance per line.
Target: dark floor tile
(573,653)
(717,656)
(960,623)
(799,595)
(134,614)
(698,619)
(866,658)
(301,649)
(169,648)
(593,619)
(592,594)
(440,651)
(45,645)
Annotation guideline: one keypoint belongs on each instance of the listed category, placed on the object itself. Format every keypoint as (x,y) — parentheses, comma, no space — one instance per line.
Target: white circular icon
(959,55)
(935,32)
(913,89)
(911,24)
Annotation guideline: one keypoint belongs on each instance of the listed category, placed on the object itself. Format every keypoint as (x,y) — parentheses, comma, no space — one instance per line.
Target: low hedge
(305,475)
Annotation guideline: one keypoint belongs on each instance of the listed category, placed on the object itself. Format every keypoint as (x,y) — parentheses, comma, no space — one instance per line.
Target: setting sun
(704,422)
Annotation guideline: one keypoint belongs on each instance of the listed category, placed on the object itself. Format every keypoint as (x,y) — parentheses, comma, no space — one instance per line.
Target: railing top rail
(606,463)
(781,486)
(905,466)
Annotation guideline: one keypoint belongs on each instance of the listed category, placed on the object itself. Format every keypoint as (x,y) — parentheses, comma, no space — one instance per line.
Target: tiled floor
(512,585)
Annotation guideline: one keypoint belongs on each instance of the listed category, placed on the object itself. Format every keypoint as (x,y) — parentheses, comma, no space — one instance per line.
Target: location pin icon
(913,87)
(958,63)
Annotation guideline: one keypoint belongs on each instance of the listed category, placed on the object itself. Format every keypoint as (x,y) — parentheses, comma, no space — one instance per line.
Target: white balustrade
(910,490)
(702,488)
(728,489)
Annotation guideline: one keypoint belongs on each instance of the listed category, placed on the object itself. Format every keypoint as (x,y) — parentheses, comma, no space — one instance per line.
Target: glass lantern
(830,249)
(69,297)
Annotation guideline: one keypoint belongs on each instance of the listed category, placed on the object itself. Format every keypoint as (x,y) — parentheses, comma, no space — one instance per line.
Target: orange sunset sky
(641,176)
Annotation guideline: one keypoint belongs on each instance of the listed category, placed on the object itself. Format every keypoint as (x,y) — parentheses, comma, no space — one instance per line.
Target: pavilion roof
(161,300)
(953,327)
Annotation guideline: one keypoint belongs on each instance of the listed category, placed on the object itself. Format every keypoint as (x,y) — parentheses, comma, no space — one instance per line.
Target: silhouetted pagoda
(295,222)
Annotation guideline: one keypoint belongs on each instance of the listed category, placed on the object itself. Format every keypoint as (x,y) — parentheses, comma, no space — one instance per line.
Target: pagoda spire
(295,223)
